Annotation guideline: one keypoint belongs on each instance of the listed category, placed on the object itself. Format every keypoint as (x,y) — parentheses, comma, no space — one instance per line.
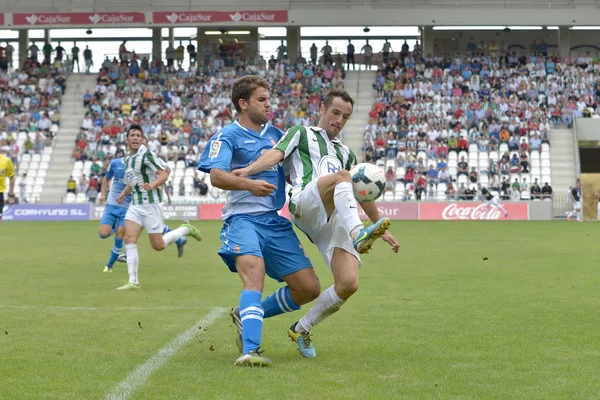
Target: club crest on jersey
(215,148)
(329,165)
(129,175)
(273,142)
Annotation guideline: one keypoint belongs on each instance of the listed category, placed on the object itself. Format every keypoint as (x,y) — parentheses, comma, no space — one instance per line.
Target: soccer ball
(368,182)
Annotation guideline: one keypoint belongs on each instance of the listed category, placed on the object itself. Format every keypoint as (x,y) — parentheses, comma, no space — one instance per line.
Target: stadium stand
(441,125)
(179,111)
(30,120)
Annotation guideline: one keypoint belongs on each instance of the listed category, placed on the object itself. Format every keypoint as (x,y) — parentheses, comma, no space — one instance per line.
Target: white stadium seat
(70,198)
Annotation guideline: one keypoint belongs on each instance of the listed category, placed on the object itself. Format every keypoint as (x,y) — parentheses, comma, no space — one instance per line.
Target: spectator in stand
(350,55)
(516,185)
(47,50)
(443,175)
(462,167)
(203,188)
(83,185)
(546,191)
(33,52)
(409,175)
(71,185)
(462,192)
(179,54)
(450,192)
(390,179)
(92,194)
(432,174)
(473,176)
(536,191)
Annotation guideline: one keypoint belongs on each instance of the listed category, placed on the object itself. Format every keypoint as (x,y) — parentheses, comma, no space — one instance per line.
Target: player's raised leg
(344,266)
(337,195)
(179,242)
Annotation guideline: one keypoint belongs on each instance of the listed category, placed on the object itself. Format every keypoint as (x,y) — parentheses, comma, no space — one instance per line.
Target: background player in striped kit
(323,206)
(145,174)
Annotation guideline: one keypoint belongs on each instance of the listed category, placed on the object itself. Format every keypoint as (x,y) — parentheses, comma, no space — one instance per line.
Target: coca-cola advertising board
(471,211)
(79,18)
(229,17)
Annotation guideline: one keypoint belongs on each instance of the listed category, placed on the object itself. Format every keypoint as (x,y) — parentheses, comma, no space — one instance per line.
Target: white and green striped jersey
(310,154)
(141,168)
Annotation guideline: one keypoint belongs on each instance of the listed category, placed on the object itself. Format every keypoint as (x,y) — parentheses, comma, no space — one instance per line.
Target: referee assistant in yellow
(6,171)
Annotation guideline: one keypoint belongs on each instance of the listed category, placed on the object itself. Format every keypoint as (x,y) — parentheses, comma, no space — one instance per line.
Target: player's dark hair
(135,127)
(244,87)
(342,94)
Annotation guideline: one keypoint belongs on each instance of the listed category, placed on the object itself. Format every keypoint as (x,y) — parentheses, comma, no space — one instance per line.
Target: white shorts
(577,206)
(311,218)
(150,216)
(492,202)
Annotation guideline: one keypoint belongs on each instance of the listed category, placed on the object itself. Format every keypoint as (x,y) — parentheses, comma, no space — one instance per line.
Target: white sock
(133,262)
(327,304)
(347,208)
(175,234)
(579,215)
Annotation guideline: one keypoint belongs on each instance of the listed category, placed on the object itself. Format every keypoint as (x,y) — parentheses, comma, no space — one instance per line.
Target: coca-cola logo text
(469,212)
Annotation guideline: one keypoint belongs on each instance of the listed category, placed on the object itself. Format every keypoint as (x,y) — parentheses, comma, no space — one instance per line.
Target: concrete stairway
(360,86)
(72,112)
(562,160)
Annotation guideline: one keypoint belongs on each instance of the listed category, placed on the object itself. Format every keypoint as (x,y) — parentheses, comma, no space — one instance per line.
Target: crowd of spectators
(488,100)
(180,109)
(30,102)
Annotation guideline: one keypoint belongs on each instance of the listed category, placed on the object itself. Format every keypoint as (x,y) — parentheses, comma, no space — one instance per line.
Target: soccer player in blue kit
(256,239)
(113,219)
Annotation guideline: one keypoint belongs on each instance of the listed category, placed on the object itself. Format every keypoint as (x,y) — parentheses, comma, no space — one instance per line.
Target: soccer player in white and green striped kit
(145,173)
(323,206)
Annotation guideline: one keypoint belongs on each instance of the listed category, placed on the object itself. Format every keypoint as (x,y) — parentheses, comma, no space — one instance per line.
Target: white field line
(75,308)
(138,377)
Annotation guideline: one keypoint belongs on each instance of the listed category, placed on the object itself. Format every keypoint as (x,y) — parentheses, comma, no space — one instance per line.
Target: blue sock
(251,313)
(116,250)
(279,302)
(179,241)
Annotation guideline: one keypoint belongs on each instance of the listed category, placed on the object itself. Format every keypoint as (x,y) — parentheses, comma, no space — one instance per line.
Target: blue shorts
(113,215)
(268,236)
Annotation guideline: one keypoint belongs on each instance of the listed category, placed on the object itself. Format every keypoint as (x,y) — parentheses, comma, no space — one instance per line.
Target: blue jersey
(235,147)
(116,172)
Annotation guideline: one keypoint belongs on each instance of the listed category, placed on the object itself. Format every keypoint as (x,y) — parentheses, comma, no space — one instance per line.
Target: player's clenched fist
(261,188)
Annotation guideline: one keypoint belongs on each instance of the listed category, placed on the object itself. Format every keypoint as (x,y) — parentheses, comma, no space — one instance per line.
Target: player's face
(134,140)
(259,107)
(334,118)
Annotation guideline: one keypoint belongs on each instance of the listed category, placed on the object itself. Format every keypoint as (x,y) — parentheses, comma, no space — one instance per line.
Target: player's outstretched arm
(373,214)
(228,181)
(265,161)
(125,192)
(103,189)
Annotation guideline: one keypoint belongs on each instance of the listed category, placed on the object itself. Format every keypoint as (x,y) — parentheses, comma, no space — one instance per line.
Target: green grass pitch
(466,310)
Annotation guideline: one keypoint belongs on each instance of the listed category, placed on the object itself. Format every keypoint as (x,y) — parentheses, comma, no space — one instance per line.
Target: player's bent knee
(346,288)
(105,232)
